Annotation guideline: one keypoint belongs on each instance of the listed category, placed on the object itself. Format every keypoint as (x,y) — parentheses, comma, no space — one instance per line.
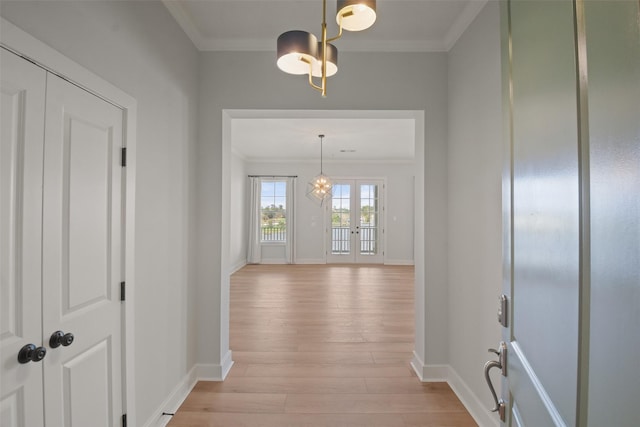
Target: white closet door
(82,250)
(21,127)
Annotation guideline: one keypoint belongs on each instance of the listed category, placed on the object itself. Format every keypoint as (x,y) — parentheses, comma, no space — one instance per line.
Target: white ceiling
(250,25)
(346,139)
(402,25)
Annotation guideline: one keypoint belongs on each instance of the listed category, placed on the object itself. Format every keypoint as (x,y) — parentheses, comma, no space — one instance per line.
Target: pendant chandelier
(319,188)
(299,52)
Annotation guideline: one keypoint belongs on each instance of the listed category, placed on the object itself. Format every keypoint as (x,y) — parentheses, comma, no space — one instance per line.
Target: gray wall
(310,234)
(367,81)
(239,212)
(475,194)
(138,47)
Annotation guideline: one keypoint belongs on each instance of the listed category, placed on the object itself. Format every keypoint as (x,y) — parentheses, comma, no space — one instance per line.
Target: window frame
(274,197)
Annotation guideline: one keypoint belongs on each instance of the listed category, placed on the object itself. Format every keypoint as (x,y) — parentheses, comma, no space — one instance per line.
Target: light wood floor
(322,345)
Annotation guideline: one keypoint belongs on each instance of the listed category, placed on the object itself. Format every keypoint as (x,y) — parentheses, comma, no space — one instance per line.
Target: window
(273,211)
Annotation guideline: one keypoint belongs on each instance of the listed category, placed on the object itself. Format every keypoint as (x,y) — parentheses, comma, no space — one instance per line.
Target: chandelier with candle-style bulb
(319,188)
(299,52)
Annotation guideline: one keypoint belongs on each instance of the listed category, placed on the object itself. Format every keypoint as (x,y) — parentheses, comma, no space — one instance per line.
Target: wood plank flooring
(322,345)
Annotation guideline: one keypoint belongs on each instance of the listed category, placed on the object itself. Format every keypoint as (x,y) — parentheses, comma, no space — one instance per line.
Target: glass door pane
(369,221)
(341,219)
(368,224)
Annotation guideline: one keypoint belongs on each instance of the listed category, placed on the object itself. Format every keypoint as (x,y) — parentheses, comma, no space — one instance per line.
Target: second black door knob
(59,338)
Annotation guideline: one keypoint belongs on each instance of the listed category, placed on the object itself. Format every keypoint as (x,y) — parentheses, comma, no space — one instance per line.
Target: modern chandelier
(299,52)
(319,189)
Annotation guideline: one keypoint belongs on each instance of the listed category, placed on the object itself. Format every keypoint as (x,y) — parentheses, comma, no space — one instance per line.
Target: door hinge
(122,291)
(124,420)
(123,156)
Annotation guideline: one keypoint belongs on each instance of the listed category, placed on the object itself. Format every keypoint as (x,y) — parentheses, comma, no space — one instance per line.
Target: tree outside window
(273,209)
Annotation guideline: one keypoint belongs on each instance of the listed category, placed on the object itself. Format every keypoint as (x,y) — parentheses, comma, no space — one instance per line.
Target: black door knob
(31,353)
(59,338)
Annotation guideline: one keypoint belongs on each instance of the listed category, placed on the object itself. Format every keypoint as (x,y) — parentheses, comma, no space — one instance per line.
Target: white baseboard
(417,365)
(237,266)
(398,262)
(310,261)
(429,373)
(314,261)
(276,261)
(435,373)
(200,372)
(440,373)
(469,399)
(211,372)
(279,261)
(173,402)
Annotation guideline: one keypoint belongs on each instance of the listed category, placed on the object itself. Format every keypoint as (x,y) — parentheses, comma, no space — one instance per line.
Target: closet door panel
(21,131)
(82,253)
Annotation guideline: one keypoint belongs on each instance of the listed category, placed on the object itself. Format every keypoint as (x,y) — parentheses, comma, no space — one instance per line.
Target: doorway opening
(232,206)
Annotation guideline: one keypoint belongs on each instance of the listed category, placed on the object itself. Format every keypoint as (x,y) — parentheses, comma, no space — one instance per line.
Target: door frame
(23,44)
(427,232)
(326,212)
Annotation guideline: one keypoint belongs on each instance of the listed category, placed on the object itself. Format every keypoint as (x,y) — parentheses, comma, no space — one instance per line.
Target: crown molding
(469,13)
(316,161)
(238,154)
(256,45)
(202,43)
(186,23)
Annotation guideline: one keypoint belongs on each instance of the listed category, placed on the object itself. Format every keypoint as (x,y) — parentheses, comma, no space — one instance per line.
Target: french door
(355,229)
